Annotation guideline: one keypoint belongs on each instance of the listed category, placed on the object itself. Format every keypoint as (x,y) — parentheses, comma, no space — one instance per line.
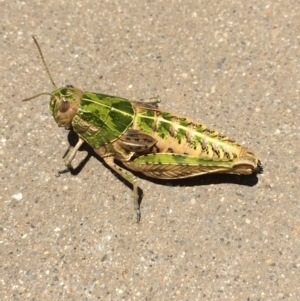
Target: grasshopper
(144,139)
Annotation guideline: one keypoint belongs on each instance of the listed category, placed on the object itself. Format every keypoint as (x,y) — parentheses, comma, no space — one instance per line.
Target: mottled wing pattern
(136,141)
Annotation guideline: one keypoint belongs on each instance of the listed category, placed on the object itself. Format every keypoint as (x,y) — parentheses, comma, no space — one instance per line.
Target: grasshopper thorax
(64,104)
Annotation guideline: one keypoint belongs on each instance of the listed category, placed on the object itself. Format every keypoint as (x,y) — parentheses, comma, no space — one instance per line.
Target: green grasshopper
(144,139)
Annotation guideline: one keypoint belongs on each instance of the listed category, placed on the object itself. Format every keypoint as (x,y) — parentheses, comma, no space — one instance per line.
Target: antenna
(44,62)
(37,95)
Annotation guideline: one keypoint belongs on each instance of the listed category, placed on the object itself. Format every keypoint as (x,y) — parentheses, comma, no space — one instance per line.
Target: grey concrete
(233,65)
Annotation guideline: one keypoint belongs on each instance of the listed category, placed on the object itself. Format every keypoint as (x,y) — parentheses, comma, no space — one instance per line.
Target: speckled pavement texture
(233,65)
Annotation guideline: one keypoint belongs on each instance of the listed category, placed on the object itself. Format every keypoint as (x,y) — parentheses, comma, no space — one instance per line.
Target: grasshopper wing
(136,141)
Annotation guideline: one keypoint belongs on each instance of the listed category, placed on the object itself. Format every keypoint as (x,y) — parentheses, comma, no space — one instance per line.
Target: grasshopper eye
(64,105)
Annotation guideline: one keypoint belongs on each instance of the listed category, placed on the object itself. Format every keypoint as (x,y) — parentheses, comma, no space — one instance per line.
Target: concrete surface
(233,65)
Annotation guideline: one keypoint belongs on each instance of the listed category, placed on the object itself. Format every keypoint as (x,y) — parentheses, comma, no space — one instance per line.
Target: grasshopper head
(64,101)
(64,104)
